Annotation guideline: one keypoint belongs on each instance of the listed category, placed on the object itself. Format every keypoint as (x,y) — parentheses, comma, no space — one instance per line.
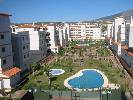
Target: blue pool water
(89,80)
(56,71)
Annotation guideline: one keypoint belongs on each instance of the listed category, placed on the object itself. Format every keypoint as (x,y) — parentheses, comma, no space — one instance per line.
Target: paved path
(69,98)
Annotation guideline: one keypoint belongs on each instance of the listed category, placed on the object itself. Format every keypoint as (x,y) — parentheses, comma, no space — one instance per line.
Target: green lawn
(113,74)
(66,63)
(103,52)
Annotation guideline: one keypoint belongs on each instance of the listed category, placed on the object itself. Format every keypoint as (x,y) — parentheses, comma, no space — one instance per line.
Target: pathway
(69,98)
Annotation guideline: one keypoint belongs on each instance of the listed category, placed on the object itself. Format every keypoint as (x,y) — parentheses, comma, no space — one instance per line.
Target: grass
(103,52)
(114,75)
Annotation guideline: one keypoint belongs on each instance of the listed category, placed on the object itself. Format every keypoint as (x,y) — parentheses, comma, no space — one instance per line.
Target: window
(4,62)
(27,46)
(23,38)
(24,56)
(2,36)
(3,49)
(27,38)
(23,47)
(28,55)
(127,30)
(13,29)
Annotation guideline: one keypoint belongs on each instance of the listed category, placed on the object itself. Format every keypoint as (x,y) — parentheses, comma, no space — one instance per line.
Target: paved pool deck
(105,84)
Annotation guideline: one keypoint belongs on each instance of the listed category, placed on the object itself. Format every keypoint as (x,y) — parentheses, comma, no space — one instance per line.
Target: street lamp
(100,93)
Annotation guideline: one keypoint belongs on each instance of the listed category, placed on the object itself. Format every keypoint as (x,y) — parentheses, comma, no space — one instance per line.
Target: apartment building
(54,37)
(127,48)
(21,50)
(38,38)
(9,74)
(81,31)
(63,35)
(121,38)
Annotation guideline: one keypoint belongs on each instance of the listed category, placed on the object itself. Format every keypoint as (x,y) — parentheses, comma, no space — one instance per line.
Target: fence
(73,95)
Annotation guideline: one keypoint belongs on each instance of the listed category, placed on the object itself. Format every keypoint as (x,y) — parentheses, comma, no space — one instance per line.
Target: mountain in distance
(125,14)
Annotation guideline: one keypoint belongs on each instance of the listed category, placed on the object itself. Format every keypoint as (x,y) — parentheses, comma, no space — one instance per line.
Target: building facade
(81,31)
(38,40)
(11,73)
(121,38)
(21,50)
(54,37)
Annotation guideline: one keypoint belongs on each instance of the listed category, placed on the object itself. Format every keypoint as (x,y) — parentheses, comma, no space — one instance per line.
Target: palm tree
(47,71)
(73,53)
(81,52)
(33,67)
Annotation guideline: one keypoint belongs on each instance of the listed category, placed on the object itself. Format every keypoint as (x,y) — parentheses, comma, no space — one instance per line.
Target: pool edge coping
(79,73)
(62,72)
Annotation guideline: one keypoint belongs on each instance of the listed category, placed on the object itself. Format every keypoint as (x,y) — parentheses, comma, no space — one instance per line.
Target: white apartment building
(122,38)
(38,40)
(81,31)
(129,33)
(119,29)
(127,48)
(54,38)
(9,74)
(67,31)
(116,34)
(21,50)
(63,35)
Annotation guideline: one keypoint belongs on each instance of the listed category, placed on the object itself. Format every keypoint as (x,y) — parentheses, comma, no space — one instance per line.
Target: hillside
(125,14)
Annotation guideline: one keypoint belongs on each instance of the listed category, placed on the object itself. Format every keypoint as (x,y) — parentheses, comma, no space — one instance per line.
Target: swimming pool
(86,79)
(56,71)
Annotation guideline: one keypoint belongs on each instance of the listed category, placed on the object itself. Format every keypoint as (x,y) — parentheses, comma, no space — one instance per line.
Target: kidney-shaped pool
(86,79)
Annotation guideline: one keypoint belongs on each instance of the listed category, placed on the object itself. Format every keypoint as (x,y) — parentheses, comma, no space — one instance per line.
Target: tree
(47,71)
(33,66)
(104,28)
(70,67)
(86,41)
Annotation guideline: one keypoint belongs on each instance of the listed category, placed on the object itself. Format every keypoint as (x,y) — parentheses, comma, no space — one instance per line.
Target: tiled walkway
(69,98)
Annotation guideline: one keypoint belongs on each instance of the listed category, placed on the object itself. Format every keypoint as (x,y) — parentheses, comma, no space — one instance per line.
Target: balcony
(48,45)
(47,41)
(47,38)
(47,34)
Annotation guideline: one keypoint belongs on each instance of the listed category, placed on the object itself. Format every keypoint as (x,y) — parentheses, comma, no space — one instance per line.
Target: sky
(23,11)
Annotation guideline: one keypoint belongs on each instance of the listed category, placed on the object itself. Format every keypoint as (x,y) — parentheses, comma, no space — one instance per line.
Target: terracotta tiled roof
(12,71)
(4,14)
(107,37)
(117,43)
(31,26)
(128,50)
(124,47)
(77,47)
(130,53)
(26,26)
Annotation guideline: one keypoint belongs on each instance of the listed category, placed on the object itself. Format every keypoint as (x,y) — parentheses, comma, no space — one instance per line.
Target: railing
(84,95)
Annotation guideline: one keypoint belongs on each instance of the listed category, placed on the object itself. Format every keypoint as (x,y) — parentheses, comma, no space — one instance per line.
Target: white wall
(117,22)
(51,30)
(21,49)
(4,23)
(5,42)
(131,34)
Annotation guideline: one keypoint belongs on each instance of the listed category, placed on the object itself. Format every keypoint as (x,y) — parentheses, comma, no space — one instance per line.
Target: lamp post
(100,93)
(71,94)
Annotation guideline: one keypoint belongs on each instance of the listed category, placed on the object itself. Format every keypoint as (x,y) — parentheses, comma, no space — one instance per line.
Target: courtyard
(73,59)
